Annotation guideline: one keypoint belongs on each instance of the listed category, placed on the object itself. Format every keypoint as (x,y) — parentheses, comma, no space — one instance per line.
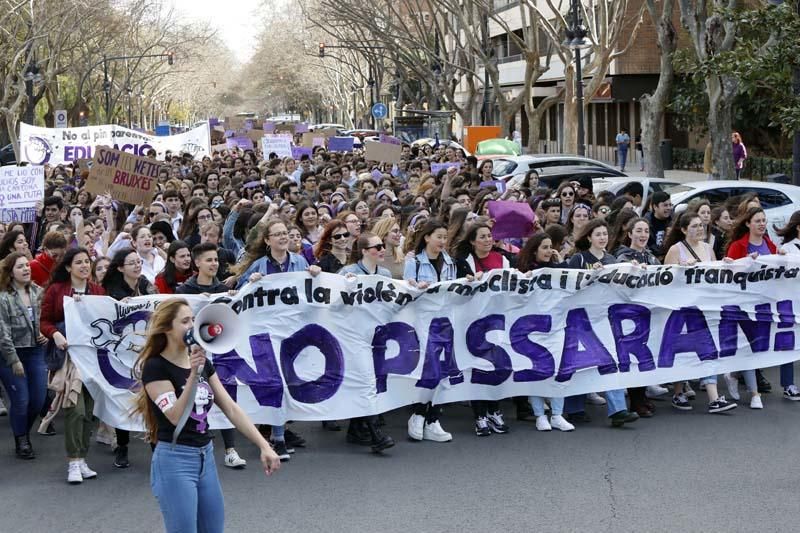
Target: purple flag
(299,151)
(301,127)
(511,219)
(340,144)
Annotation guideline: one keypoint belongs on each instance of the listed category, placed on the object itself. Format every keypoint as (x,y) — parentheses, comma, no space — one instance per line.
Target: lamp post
(576,39)
(31,76)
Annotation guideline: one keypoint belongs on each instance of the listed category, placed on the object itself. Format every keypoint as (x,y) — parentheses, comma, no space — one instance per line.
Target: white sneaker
(74,473)
(542,424)
(86,472)
(106,435)
(232,460)
(3,410)
(435,433)
(654,391)
(595,399)
(415,427)
(756,403)
(560,423)
(688,391)
(733,386)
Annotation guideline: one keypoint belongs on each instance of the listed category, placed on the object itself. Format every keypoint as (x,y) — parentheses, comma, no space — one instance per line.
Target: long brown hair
(159,325)
(325,243)
(7,270)
(257,247)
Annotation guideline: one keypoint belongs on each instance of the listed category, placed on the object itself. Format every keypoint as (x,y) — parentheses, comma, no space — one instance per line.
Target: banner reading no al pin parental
(55,146)
(127,177)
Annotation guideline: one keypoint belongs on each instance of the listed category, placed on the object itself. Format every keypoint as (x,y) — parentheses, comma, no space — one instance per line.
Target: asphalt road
(675,472)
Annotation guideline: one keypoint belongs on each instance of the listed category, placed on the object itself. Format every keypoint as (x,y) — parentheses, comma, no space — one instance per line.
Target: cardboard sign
(383,152)
(327,132)
(20,189)
(127,177)
(312,139)
(255,135)
(341,144)
(235,123)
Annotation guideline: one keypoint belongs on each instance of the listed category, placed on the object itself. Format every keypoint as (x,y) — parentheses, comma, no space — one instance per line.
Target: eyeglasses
(376,247)
(341,235)
(604,210)
(152,214)
(352,221)
(136,263)
(280,234)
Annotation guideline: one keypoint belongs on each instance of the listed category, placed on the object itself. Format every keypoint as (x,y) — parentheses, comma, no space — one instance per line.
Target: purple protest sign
(213,121)
(376,174)
(499,185)
(269,127)
(301,127)
(340,144)
(229,133)
(249,124)
(388,139)
(438,167)
(239,142)
(299,151)
(511,219)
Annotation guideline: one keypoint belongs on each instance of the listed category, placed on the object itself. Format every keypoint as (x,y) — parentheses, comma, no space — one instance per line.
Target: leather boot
(379,441)
(23,447)
(357,433)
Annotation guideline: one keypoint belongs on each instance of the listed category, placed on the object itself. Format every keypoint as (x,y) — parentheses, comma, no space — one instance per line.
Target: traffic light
(170,58)
(321,49)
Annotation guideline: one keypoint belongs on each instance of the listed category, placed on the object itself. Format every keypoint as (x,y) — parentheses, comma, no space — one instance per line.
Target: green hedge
(755,168)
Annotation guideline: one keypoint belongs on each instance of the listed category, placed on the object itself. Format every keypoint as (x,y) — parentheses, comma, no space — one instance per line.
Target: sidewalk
(681,176)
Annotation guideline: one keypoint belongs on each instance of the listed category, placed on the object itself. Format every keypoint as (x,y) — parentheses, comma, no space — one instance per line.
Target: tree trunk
(535,116)
(719,128)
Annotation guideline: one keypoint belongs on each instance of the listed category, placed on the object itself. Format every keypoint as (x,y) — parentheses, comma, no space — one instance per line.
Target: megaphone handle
(188,409)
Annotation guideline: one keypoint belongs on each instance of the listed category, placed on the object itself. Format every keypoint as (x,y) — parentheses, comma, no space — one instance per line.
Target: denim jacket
(16,328)
(360,270)
(419,268)
(297,263)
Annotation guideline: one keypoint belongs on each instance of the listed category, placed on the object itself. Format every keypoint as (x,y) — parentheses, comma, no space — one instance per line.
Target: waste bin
(666,153)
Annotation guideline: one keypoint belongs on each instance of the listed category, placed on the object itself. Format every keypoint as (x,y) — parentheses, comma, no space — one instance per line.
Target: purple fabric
(511,219)
(738,152)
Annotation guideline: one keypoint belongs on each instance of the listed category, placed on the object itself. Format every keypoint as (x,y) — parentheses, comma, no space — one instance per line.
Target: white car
(779,200)
(617,184)
(552,168)
(325,126)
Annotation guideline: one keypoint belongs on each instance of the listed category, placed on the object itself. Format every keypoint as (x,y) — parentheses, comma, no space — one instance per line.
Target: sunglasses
(339,236)
(567,194)
(377,247)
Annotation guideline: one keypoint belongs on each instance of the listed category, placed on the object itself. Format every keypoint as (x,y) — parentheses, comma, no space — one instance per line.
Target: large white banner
(336,348)
(54,146)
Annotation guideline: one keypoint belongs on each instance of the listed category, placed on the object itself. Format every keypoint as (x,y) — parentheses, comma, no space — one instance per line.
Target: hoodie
(41,267)
(191,286)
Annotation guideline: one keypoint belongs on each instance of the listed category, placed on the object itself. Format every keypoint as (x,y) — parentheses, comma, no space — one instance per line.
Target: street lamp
(31,76)
(576,40)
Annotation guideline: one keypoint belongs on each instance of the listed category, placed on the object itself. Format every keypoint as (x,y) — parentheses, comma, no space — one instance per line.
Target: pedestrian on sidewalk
(623,143)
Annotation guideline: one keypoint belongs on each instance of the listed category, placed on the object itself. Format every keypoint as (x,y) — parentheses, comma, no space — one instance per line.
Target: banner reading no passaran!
(334,348)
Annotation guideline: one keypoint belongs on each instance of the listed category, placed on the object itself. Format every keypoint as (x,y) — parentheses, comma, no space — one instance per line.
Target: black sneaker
(581,417)
(279,447)
(623,417)
(680,402)
(496,422)
(293,439)
(49,431)
(482,427)
(791,393)
(121,457)
(764,386)
(720,405)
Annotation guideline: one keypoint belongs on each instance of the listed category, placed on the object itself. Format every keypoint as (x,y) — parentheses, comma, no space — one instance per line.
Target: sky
(236,21)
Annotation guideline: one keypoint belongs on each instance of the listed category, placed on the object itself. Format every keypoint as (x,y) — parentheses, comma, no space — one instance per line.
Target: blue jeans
(615,402)
(26,394)
(623,157)
(185,483)
(556,406)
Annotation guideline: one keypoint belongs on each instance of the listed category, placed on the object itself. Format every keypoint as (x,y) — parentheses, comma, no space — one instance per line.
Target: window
(769,198)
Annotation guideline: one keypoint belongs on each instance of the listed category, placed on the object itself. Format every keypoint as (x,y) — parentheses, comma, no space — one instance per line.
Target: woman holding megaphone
(184,475)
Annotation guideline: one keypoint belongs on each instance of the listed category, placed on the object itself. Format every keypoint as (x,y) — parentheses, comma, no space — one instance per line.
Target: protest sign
(249,124)
(279,145)
(219,147)
(64,145)
(241,141)
(329,347)
(255,135)
(498,185)
(127,177)
(300,151)
(312,139)
(327,132)
(511,219)
(388,139)
(340,144)
(301,127)
(438,167)
(235,123)
(285,128)
(269,126)
(383,152)
(20,189)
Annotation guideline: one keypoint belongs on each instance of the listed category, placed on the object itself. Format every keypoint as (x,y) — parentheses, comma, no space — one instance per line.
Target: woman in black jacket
(124,280)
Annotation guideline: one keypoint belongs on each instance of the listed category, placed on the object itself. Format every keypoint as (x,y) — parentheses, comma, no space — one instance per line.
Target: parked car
(552,168)
(779,200)
(7,156)
(617,184)
(432,142)
(325,126)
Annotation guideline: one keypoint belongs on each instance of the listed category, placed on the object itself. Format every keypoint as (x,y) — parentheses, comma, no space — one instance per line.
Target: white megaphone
(216,329)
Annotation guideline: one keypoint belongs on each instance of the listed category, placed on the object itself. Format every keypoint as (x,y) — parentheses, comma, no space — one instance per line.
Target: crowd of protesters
(228,219)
